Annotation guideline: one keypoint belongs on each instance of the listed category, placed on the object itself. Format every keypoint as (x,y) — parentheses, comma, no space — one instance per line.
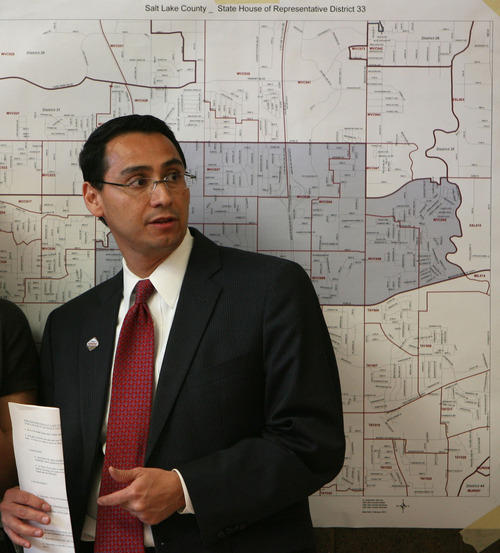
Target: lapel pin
(92,344)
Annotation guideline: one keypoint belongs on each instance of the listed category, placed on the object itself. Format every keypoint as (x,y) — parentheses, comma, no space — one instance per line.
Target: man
(246,421)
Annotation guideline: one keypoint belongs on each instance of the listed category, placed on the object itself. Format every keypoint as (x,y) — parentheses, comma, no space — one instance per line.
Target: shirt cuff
(188,509)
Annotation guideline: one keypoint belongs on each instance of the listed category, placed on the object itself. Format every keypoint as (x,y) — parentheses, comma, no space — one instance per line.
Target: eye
(139,182)
(174,177)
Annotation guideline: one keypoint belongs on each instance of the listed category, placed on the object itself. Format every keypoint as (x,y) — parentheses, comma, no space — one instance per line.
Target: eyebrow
(170,163)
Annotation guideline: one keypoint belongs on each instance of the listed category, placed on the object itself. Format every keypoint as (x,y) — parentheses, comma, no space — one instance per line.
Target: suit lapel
(95,365)
(196,303)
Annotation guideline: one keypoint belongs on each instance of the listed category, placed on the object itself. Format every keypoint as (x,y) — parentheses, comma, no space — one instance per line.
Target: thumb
(122,475)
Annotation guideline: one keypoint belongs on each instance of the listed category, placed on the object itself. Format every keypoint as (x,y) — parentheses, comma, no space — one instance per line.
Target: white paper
(40,467)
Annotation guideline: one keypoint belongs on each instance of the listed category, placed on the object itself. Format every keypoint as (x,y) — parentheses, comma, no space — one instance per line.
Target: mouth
(164,220)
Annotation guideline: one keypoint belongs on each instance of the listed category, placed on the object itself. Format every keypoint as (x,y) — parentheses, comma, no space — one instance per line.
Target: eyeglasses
(173,182)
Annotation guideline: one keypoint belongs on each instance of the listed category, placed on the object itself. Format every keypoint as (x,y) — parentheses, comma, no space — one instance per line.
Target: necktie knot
(143,291)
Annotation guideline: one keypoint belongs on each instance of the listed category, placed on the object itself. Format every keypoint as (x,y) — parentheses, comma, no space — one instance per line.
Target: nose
(160,194)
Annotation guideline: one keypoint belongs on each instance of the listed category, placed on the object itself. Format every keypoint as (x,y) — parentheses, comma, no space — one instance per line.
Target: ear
(92,199)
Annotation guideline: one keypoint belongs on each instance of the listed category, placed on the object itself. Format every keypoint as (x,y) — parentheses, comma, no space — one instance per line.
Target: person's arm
(8,475)
(301,446)
(18,384)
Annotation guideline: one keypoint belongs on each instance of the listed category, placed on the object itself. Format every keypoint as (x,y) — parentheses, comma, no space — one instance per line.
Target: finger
(24,512)
(122,475)
(17,540)
(20,510)
(20,531)
(119,497)
(15,496)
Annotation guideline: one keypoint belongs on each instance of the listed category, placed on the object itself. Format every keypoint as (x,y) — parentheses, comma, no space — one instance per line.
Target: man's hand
(18,510)
(152,494)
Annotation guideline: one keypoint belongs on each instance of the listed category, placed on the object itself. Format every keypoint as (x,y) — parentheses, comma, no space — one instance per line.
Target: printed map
(360,149)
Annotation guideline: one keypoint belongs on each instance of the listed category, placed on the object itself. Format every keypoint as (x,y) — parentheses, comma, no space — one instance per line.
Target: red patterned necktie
(117,530)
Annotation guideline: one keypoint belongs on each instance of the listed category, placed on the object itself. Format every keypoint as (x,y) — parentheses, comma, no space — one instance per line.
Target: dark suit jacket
(247,407)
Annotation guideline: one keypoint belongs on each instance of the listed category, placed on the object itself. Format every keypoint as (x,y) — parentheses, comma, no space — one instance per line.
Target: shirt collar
(167,277)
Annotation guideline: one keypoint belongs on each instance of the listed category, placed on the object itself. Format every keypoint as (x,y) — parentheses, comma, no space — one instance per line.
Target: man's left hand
(152,494)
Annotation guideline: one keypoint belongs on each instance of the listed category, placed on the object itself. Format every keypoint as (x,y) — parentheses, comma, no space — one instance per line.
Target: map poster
(357,137)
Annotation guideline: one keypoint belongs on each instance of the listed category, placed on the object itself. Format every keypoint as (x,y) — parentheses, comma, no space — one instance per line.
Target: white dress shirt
(167,279)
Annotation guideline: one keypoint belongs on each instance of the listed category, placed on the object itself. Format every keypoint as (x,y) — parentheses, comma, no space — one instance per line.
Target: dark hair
(92,158)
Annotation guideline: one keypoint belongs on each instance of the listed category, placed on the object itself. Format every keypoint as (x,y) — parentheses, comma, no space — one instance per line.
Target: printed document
(40,465)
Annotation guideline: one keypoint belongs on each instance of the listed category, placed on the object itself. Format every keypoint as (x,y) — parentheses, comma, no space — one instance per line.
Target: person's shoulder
(236,253)
(242,256)
(263,268)
(10,312)
(256,259)
(88,300)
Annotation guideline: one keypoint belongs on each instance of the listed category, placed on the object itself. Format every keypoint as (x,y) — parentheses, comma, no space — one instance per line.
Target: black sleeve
(18,353)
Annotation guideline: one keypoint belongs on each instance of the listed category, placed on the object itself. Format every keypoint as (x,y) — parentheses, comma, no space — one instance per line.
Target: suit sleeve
(301,446)
(18,354)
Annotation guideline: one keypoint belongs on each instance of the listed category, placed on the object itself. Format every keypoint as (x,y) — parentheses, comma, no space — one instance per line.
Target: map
(360,148)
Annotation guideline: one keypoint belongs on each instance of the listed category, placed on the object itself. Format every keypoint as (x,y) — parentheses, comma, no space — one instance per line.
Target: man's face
(147,228)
